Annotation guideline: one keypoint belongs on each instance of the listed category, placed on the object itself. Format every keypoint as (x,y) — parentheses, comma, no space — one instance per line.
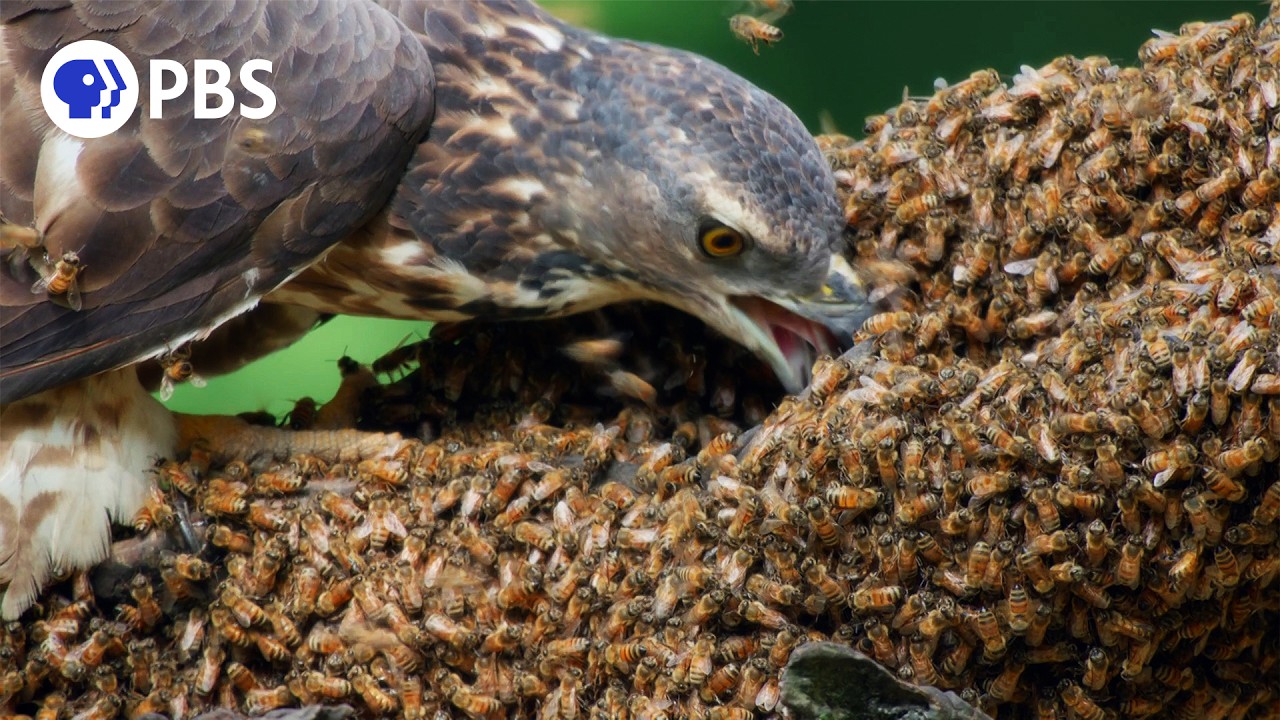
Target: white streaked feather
(78,488)
(57,186)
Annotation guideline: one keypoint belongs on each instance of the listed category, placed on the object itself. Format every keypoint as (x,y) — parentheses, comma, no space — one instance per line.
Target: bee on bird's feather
(61,280)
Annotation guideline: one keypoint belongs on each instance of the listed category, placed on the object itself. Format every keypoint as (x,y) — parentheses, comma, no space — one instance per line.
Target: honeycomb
(1045,477)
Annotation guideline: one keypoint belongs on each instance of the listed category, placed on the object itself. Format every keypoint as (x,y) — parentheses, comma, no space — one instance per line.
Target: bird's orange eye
(721,241)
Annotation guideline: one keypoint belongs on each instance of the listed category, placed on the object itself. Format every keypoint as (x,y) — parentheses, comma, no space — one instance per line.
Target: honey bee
(976,566)
(177,369)
(375,698)
(1033,567)
(448,631)
(1219,402)
(340,508)
(1095,669)
(886,322)
(1268,508)
(325,687)
(1156,423)
(1260,190)
(1236,460)
(390,472)
(1186,568)
(105,707)
(1228,569)
(155,513)
(334,598)
(877,599)
(147,612)
(754,31)
(61,280)
(179,476)
(380,524)
(846,497)
(917,207)
(1258,310)
(992,636)
(986,485)
(271,648)
(1242,374)
(1078,702)
(628,384)
(917,509)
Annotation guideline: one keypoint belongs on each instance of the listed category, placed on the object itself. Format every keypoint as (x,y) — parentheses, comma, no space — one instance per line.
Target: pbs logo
(89,89)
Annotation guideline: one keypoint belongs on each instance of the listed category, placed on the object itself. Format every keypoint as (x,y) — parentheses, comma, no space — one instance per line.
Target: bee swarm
(1047,479)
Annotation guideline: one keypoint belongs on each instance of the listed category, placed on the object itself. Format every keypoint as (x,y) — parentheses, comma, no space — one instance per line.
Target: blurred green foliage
(848,59)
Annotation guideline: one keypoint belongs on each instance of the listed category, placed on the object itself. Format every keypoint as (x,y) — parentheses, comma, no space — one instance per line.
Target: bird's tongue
(799,339)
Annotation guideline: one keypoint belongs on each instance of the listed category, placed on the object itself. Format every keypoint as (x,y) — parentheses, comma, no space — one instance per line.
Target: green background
(849,59)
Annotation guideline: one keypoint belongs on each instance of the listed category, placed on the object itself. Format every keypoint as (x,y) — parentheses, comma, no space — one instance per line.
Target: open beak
(789,333)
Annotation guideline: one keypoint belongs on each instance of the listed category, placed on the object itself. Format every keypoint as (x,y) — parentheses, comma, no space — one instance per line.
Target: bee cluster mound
(1046,477)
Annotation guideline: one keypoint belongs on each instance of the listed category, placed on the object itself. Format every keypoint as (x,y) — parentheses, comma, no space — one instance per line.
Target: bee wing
(455,577)
(72,297)
(1044,443)
(870,392)
(166,388)
(364,529)
(1270,92)
(197,381)
(1195,127)
(393,524)
(40,286)
(1020,267)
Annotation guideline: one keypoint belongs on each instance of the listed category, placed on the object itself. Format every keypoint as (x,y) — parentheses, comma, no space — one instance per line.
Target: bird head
(565,171)
(708,194)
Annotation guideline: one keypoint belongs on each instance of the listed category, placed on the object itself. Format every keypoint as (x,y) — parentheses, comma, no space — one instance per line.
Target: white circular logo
(89,89)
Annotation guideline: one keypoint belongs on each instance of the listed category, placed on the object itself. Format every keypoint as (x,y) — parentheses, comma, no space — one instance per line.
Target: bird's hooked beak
(790,332)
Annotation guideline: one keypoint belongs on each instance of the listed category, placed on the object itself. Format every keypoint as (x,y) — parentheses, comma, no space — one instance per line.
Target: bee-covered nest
(1046,478)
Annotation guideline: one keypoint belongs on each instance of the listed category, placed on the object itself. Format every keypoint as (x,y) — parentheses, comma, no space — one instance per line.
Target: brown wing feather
(181,222)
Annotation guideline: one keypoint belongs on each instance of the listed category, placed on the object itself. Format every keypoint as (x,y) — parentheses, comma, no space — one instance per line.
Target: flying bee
(754,31)
(177,369)
(397,359)
(61,280)
(594,351)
